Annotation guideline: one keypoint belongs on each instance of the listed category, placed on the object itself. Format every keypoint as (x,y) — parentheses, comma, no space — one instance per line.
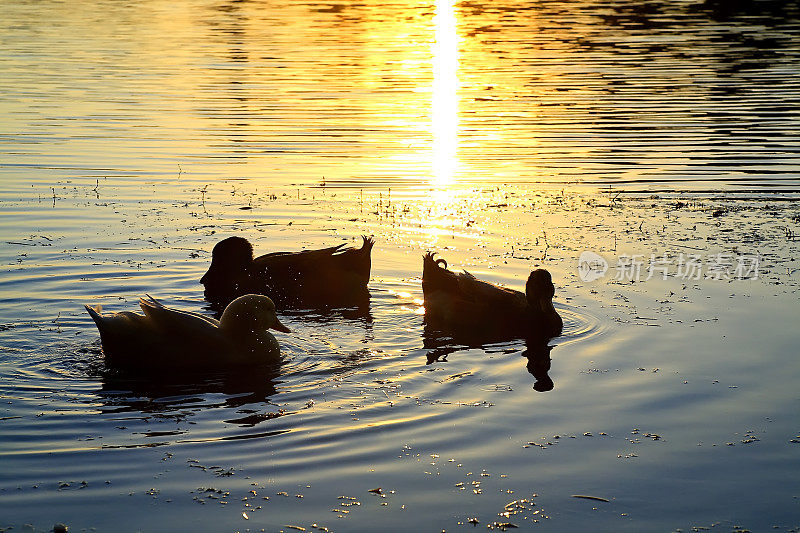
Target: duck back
(127,338)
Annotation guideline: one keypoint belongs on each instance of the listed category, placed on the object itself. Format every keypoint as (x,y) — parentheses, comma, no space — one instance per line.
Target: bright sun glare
(444,99)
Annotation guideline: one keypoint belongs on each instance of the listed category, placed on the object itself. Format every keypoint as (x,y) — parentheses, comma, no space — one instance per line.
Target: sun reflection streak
(444,98)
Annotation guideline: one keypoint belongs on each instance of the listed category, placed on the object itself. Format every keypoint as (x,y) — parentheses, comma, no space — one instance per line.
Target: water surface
(505,137)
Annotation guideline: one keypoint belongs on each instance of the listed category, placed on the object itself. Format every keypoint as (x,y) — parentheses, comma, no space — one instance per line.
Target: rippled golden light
(444,97)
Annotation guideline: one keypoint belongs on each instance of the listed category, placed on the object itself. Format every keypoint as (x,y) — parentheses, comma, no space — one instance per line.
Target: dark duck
(164,337)
(329,277)
(460,302)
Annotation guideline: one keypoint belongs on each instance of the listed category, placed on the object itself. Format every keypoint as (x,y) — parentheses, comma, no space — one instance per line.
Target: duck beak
(280,327)
(211,275)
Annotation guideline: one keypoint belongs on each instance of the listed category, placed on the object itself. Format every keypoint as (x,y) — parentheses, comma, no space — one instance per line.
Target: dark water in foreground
(673,399)
(133,137)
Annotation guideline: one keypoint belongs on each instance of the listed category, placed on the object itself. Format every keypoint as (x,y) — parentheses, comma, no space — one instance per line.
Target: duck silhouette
(166,337)
(335,276)
(460,302)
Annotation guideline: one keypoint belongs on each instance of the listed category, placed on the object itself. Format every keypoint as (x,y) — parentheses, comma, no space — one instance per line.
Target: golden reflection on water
(380,94)
(444,162)
(444,97)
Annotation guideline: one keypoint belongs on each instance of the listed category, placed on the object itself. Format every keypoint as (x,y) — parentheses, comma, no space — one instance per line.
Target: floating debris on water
(587,497)
(516,507)
(502,526)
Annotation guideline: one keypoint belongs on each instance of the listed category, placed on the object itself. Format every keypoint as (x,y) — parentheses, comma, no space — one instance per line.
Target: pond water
(505,136)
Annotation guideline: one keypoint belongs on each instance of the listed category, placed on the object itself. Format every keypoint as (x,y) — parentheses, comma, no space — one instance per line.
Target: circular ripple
(579,325)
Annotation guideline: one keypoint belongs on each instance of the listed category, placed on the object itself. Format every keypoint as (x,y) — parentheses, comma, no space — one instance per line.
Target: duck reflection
(179,395)
(359,313)
(538,355)
(767,10)
(440,344)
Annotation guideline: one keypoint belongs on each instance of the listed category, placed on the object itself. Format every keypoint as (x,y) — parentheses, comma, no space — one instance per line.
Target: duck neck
(237,330)
(540,305)
(546,306)
(260,343)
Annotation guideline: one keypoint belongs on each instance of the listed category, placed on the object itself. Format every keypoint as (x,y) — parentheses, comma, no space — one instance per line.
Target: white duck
(165,337)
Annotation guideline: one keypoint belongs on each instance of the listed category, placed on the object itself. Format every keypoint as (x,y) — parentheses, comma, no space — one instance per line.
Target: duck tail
(429,261)
(368,243)
(95,311)
(150,301)
(435,276)
(357,261)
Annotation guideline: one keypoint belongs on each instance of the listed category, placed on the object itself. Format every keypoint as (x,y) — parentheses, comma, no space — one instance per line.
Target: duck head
(539,289)
(228,275)
(251,313)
